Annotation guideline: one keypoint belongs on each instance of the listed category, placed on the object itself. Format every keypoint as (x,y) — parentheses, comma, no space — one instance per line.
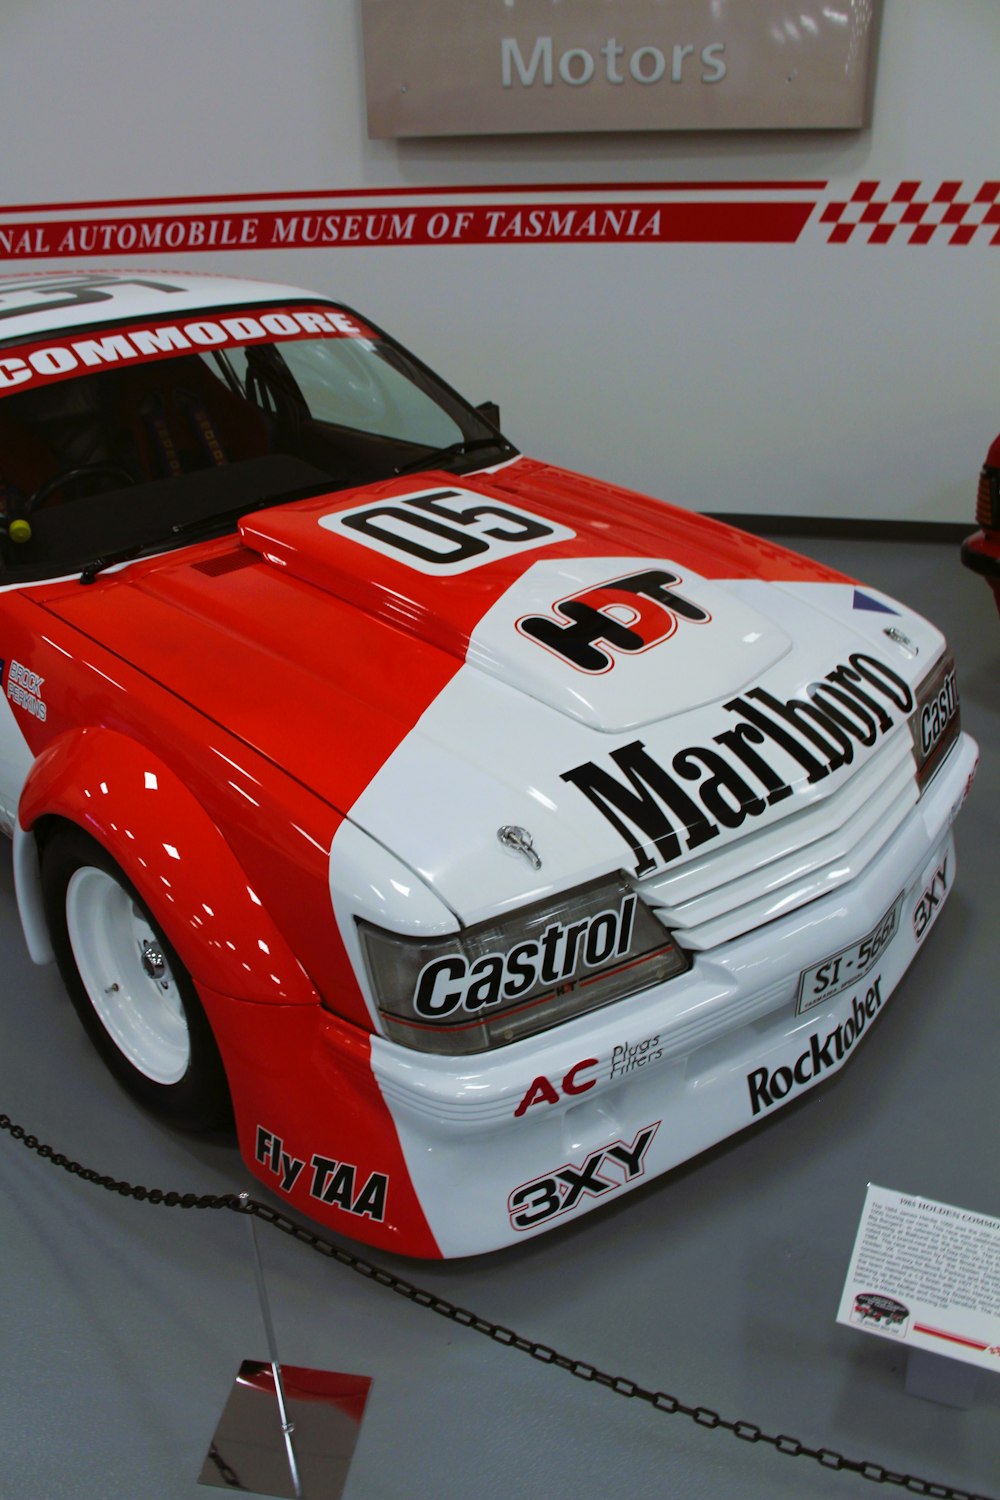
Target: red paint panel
(121,793)
(303,679)
(287,850)
(305,1079)
(654,528)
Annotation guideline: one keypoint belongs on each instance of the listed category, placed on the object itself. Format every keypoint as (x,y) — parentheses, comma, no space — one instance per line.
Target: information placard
(928,1274)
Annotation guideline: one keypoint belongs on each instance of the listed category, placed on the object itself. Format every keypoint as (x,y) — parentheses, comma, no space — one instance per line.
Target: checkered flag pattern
(951,215)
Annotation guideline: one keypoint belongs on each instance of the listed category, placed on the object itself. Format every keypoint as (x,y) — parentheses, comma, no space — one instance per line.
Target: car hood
(414,694)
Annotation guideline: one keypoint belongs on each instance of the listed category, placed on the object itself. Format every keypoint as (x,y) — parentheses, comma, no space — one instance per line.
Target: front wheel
(136,1000)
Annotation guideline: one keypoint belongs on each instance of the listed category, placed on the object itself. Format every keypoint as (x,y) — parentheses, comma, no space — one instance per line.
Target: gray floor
(123,1325)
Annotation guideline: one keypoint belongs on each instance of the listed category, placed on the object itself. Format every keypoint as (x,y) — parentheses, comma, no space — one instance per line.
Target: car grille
(807,854)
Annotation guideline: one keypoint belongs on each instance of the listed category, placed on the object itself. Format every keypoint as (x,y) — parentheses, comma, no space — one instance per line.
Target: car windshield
(115,440)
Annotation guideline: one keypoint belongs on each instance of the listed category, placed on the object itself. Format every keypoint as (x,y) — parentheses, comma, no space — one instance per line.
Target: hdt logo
(625,614)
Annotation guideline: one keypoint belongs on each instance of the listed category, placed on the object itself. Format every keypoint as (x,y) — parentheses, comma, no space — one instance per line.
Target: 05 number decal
(445,531)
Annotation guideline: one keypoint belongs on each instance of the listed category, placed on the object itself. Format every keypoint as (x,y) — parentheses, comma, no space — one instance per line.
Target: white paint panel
(696,663)
(484,755)
(726,1024)
(15,763)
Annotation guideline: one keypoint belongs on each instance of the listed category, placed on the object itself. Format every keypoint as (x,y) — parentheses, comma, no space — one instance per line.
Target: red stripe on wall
(390,192)
(875,213)
(423,224)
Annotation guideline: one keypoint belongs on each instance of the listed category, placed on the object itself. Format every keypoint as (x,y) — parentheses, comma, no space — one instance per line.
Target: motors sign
(504,67)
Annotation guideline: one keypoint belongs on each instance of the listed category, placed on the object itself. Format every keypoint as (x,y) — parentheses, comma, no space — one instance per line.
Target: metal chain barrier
(704,1416)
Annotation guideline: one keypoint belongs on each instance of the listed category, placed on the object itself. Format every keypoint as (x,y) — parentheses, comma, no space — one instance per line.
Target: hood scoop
(307,541)
(226,562)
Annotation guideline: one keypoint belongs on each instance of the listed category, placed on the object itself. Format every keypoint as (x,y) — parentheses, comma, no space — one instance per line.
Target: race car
(483,839)
(981,550)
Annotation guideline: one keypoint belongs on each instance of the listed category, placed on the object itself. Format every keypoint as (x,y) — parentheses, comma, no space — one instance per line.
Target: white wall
(852,379)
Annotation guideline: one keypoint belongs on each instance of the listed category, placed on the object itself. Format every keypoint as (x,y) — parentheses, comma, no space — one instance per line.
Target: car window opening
(119,459)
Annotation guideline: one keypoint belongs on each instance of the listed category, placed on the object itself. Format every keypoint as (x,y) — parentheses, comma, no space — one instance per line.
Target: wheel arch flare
(122,794)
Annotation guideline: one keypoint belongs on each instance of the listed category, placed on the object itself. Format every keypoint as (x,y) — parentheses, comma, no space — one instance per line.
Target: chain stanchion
(287,1427)
(703,1416)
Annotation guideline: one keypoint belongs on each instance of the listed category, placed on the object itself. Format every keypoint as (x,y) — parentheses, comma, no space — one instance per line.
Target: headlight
(504,980)
(936,721)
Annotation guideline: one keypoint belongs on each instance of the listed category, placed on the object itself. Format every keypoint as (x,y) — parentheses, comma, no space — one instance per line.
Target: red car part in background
(981,551)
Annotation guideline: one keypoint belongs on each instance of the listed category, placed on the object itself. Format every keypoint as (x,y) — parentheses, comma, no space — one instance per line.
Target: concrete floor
(122,1326)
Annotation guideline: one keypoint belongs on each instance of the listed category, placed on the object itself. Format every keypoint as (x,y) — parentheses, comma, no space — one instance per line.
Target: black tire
(146,1022)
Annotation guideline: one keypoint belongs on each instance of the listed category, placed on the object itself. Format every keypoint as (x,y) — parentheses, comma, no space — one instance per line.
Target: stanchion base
(248,1450)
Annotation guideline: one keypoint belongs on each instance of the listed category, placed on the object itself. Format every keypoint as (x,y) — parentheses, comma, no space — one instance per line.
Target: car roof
(31,305)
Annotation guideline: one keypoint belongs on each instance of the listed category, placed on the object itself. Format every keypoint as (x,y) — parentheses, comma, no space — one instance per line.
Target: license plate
(850,965)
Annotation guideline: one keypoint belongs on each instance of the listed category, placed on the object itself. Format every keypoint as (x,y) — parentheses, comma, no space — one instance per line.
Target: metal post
(287,1427)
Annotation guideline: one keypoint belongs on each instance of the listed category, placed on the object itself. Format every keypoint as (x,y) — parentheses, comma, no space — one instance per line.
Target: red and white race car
(485,838)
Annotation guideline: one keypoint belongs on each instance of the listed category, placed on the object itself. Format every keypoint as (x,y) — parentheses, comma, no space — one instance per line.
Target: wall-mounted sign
(506,67)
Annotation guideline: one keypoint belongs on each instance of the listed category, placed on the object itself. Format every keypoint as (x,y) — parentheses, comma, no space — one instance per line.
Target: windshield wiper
(109,559)
(184,531)
(200,527)
(453,450)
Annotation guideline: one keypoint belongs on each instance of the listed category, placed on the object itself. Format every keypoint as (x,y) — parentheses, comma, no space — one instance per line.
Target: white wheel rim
(126,976)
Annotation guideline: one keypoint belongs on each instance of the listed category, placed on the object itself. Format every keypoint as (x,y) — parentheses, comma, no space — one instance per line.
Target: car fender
(123,795)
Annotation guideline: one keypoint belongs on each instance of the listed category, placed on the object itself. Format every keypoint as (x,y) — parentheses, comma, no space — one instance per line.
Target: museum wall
(850,370)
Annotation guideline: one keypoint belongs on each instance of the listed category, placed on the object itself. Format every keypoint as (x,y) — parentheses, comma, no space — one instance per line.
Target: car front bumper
(981,553)
(497,1145)
(437,1156)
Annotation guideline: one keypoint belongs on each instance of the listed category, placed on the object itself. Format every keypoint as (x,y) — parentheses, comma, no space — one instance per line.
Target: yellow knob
(19,530)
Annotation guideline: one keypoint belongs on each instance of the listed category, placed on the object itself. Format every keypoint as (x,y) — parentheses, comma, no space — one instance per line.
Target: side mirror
(491,411)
